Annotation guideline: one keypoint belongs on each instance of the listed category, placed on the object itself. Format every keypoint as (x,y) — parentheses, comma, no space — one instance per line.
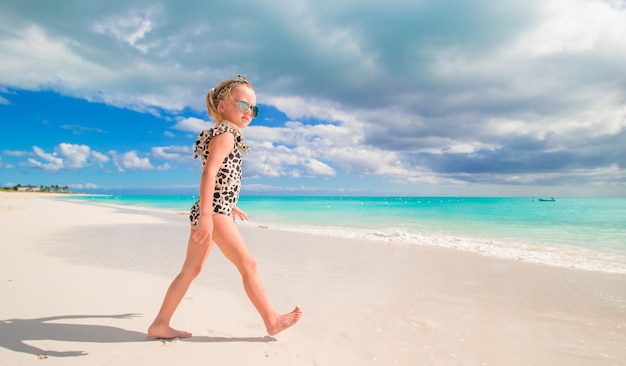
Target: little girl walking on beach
(232,105)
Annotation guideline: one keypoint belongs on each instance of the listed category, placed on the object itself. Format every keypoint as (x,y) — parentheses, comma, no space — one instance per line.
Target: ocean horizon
(581,233)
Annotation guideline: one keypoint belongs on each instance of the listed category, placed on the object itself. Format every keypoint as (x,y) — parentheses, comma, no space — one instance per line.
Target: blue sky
(446,97)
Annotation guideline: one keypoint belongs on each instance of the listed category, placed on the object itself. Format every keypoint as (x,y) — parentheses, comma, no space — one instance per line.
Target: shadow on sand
(16,332)
(206,339)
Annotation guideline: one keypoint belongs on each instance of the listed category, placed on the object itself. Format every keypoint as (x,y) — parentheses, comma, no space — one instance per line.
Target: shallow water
(585,233)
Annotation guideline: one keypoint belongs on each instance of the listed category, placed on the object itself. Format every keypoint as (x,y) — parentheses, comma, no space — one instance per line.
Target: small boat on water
(551,199)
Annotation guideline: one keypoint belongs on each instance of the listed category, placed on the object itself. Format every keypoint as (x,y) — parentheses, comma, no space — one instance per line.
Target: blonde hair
(221,91)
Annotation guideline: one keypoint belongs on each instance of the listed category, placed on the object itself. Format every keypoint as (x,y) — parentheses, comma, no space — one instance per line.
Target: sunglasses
(242,107)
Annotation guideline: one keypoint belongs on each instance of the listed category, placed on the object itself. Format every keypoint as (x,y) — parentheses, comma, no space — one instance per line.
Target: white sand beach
(81,283)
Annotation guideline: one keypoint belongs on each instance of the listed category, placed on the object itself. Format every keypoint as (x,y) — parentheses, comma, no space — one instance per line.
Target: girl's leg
(231,243)
(196,255)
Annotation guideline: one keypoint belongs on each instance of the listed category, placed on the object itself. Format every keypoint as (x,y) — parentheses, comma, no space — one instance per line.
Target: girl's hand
(238,213)
(203,233)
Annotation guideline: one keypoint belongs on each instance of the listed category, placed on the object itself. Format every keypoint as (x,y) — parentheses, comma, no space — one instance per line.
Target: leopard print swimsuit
(228,179)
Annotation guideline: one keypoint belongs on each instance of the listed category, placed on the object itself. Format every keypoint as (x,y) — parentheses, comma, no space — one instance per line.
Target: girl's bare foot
(166,332)
(284,321)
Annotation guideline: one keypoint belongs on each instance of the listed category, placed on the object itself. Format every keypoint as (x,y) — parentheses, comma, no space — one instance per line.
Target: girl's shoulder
(205,136)
(227,127)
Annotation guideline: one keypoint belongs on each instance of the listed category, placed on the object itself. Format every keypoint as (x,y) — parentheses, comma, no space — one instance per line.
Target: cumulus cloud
(300,150)
(131,27)
(510,91)
(192,124)
(172,152)
(132,160)
(99,157)
(66,156)
(75,156)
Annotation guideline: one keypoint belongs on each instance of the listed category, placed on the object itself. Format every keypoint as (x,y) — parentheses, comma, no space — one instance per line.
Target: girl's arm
(220,146)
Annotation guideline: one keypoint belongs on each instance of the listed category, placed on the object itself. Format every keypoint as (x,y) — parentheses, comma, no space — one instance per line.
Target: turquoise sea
(584,233)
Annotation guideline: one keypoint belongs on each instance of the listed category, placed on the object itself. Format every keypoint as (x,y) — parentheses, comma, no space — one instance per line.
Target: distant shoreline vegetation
(30,188)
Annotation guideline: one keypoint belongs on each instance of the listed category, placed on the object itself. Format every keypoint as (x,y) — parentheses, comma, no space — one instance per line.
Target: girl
(232,105)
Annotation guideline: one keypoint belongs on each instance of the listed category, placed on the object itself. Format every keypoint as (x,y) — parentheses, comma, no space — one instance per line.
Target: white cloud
(87,186)
(66,156)
(559,29)
(78,129)
(130,28)
(316,167)
(75,155)
(52,162)
(192,124)
(305,150)
(508,81)
(35,59)
(46,61)
(172,152)
(15,153)
(132,160)
(99,157)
